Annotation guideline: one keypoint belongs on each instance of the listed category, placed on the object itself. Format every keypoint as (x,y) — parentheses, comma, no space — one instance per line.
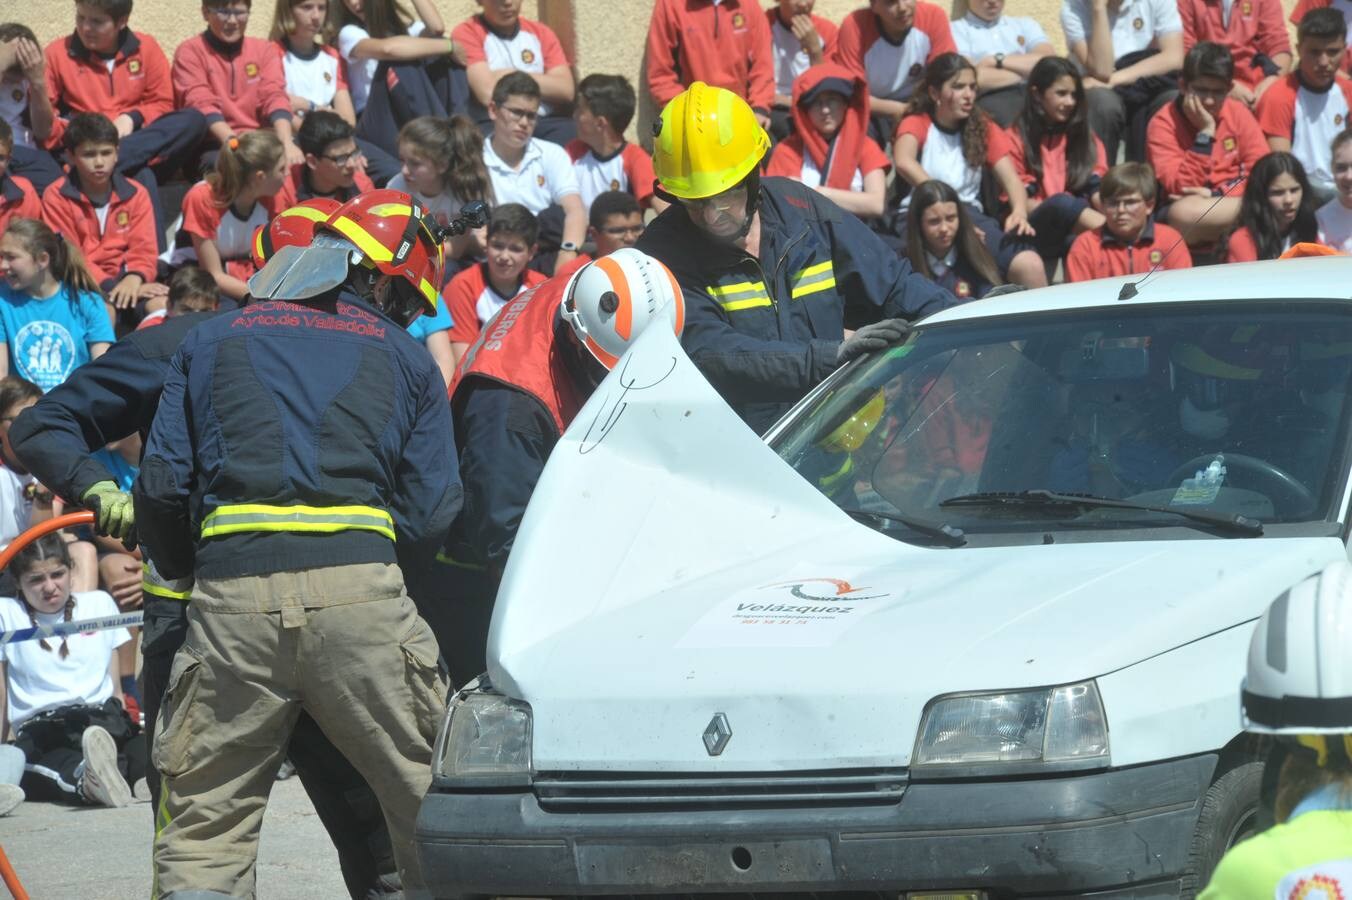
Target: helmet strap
(417,220)
(587,371)
(397,300)
(752,182)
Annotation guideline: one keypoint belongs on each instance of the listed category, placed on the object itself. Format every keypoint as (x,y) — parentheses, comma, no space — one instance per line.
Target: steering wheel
(1284,485)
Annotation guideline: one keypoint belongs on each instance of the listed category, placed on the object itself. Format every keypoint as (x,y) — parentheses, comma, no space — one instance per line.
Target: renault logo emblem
(717,734)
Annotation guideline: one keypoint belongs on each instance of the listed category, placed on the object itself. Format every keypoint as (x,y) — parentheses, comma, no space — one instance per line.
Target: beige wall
(609,33)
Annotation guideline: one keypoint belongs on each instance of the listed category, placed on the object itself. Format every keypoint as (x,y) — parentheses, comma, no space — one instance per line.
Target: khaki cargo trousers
(343,643)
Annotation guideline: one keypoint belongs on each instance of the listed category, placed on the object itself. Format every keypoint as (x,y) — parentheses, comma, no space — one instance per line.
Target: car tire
(1230,813)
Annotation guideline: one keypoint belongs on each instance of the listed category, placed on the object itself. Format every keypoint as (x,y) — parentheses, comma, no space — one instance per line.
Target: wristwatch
(570,246)
(999,60)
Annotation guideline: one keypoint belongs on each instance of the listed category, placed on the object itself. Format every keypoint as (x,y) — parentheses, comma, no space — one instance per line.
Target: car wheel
(1229,815)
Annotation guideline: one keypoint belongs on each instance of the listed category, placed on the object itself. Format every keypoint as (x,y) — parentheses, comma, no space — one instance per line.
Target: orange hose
(84,517)
(11,878)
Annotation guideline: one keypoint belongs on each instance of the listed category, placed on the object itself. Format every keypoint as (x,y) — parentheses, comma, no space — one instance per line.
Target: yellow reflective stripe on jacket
(236,517)
(818,277)
(151,583)
(743,295)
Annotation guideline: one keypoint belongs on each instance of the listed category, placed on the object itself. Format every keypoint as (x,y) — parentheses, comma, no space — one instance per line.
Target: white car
(971,619)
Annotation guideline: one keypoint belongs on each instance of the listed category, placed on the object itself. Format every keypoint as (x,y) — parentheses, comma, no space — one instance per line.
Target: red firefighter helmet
(382,232)
(292,227)
(397,236)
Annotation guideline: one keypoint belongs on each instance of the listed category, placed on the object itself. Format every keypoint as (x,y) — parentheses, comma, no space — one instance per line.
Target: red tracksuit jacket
(242,84)
(727,46)
(79,82)
(1181,162)
(18,200)
(127,241)
(1255,27)
(1098,254)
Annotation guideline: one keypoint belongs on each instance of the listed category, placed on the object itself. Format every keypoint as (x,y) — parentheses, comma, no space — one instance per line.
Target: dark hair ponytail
(49,546)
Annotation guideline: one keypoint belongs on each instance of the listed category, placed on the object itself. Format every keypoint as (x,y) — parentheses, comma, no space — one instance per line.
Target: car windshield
(1206,412)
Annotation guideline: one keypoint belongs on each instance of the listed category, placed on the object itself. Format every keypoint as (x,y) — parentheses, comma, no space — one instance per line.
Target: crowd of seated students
(133,181)
(866,110)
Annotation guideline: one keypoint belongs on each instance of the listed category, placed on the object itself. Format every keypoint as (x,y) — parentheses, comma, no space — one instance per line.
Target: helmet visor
(297,273)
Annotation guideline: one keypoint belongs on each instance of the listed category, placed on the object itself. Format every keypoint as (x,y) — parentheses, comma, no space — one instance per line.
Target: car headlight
(484,737)
(1014,731)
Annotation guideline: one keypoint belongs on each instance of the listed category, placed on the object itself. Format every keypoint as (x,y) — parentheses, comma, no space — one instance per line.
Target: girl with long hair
(52,315)
(1056,155)
(1278,210)
(221,212)
(442,166)
(315,75)
(62,697)
(942,244)
(948,138)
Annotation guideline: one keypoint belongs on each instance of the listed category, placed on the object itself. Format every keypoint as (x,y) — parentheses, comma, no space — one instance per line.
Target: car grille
(595,791)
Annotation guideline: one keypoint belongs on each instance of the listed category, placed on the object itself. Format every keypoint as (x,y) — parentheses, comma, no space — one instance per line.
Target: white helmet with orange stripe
(609,302)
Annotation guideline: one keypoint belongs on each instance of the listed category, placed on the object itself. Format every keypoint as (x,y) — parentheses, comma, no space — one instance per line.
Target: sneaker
(286,770)
(11,795)
(101,782)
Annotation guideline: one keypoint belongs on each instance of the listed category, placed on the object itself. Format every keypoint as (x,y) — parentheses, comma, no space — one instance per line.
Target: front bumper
(1124,833)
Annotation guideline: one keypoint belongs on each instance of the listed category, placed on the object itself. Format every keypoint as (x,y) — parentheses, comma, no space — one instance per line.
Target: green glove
(113,512)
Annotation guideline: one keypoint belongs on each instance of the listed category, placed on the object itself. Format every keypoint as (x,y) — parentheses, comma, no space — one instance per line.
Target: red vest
(517,348)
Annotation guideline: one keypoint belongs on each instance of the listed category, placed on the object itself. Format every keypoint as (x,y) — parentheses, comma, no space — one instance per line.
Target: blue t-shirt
(425,324)
(124,473)
(48,338)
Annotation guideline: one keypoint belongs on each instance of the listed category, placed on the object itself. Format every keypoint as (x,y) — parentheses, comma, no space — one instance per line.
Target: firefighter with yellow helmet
(301,454)
(1299,689)
(772,271)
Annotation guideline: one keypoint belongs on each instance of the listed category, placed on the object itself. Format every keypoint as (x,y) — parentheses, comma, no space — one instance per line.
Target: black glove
(877,336)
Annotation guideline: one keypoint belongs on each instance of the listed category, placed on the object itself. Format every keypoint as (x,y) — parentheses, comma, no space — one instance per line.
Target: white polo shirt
(977,39)
(1320,117)
(544,177)
(316,77)
(790,59)
(1135,25)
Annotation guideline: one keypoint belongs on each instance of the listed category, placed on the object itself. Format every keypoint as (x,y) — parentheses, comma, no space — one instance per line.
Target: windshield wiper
(944,534)
(1231,522)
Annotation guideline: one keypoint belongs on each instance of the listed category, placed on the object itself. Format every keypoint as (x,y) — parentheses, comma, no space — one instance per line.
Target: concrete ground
(63,852)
